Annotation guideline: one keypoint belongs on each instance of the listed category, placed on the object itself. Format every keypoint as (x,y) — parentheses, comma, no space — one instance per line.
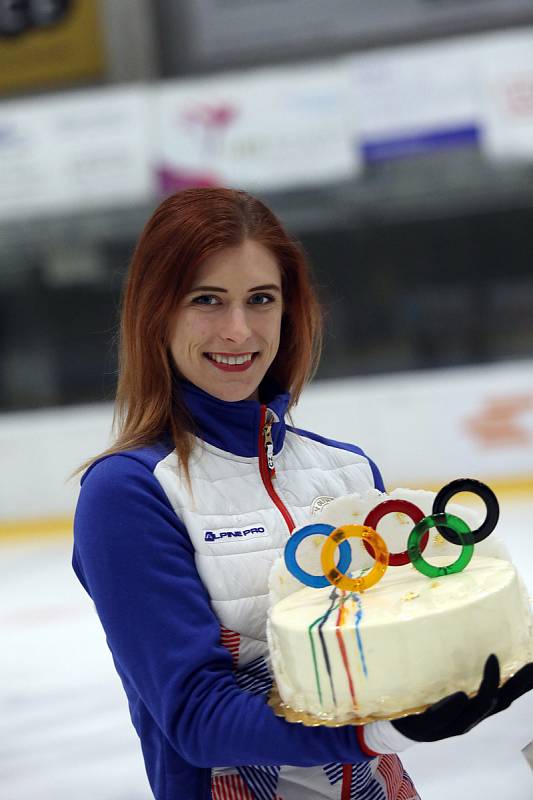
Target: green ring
(459,527)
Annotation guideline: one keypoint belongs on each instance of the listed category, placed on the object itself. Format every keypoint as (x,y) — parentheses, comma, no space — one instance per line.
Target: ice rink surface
(65,732)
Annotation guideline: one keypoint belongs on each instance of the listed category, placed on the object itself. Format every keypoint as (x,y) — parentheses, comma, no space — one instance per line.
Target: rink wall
(421,428)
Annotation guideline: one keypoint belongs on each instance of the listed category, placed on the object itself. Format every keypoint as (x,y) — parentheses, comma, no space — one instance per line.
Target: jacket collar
(234,427)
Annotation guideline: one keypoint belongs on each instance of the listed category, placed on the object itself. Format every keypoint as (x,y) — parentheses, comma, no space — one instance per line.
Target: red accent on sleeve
(360,733)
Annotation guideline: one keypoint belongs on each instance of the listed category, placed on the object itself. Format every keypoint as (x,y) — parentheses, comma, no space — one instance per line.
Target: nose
(235,327)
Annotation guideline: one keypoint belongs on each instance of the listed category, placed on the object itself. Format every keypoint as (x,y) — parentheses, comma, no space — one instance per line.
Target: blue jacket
(134,556)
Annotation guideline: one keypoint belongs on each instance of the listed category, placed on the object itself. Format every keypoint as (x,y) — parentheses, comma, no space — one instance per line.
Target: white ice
(65,731)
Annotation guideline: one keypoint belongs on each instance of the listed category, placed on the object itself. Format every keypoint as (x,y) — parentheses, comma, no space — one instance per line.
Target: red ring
(388,507)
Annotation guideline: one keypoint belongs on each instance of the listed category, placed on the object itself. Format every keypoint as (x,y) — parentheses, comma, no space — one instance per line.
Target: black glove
(514,688)
(457,713)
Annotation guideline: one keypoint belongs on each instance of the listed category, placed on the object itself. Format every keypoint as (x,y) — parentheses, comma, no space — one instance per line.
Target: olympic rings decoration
(316,581)
(447,521)
(476,487)
(337,576)
(454,529)
(388,507)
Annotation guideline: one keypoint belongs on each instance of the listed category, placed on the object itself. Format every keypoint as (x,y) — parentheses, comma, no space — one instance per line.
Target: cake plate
(310,720)
(281,709)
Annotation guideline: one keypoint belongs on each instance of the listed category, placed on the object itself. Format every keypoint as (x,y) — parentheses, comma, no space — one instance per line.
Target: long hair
(184,230)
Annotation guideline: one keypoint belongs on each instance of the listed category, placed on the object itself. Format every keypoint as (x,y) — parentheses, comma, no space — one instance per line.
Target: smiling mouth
(231,363)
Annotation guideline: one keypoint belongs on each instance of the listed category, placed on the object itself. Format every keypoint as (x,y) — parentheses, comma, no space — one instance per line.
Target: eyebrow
(272,287)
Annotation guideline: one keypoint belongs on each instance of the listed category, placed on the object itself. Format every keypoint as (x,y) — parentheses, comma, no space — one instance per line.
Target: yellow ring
(340,579)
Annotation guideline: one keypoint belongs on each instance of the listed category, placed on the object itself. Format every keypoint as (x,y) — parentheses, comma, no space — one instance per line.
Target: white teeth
(231,359)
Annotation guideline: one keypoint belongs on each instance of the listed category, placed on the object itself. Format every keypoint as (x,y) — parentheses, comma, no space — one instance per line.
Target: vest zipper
(266,464)
(268,472)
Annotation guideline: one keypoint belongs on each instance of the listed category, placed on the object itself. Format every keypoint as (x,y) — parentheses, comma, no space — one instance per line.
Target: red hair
(183,231)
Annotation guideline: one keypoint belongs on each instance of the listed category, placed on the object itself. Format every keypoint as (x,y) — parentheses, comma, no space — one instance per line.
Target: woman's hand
(453,715)
(457,713)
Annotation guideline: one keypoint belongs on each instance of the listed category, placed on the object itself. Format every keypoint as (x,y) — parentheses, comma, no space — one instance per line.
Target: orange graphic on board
(502,422)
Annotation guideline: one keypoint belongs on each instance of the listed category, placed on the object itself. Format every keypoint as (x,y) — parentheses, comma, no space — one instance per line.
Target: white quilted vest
(237,530)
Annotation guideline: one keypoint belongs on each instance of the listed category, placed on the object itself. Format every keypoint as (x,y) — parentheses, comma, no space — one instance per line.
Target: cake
(407,641)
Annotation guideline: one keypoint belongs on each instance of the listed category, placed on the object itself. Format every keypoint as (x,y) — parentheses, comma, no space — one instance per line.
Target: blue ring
(316,581)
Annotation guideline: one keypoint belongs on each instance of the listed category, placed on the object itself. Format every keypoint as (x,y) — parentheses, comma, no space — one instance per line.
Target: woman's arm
(134,557)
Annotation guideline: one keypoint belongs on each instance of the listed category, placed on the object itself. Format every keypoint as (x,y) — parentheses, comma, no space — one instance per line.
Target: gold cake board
(312,721)
(292,715)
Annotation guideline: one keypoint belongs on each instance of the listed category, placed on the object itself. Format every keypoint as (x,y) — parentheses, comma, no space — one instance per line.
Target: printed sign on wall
(80,150)
(266,129)
(415,99)
(421,427)
(507,79)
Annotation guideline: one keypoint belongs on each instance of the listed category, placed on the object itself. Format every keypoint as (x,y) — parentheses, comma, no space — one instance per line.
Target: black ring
(476,487)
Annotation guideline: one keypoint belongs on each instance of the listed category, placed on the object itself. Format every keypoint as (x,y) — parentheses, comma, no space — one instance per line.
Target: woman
(178,524)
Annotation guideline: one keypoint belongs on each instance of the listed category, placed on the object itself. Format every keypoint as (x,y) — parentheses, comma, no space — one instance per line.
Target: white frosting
(394,529)
(419,639)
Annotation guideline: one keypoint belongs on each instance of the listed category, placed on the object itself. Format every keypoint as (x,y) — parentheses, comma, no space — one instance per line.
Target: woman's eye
(205,300)
(213,300)
(261,299)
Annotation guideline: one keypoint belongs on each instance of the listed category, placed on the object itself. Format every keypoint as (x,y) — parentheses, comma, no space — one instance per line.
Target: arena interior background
(395,140)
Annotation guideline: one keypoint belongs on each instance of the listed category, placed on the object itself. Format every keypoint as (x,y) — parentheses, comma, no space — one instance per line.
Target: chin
(235,394)
(235,397)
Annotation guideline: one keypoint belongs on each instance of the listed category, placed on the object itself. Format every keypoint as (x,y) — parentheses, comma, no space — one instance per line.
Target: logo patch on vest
(319,502)
(254,531)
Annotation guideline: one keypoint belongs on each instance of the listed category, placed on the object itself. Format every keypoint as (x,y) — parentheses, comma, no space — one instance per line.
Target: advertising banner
(270,129)
(266,129)
(506,73)
(415,99)
(423,428)
(74,151)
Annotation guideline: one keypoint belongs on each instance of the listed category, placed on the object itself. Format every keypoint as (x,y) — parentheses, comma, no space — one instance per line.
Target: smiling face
(226,331)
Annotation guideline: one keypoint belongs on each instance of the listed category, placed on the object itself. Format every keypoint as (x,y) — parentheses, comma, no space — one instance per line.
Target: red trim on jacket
(347,770)
(360,733)
(267,474)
